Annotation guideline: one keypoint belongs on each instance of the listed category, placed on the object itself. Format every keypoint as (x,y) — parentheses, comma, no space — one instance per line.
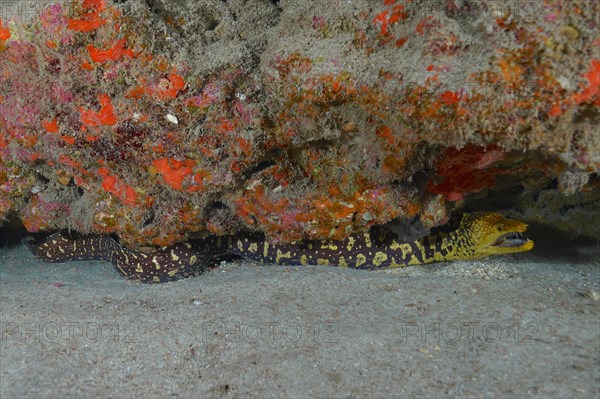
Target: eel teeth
(511,240)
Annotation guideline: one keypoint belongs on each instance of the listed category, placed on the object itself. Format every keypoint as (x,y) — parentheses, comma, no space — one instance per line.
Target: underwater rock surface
(160,120)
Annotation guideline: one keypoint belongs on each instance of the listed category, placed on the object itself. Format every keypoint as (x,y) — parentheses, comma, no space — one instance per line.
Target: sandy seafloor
(518,325)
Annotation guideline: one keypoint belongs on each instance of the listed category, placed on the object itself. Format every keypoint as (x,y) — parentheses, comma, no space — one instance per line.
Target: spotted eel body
(165,264)
(478,235)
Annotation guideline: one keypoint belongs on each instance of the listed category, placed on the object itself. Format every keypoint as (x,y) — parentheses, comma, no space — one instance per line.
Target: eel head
(490,233)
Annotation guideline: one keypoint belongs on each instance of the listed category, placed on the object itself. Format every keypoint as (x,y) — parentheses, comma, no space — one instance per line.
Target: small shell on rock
(172,118)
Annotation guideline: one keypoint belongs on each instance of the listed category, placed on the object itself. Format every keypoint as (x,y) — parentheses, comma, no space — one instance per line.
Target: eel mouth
(511,240)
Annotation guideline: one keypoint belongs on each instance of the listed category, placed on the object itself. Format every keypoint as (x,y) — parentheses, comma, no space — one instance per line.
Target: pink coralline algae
(467,170)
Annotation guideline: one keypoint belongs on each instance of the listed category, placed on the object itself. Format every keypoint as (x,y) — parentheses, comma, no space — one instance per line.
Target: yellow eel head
(489,233)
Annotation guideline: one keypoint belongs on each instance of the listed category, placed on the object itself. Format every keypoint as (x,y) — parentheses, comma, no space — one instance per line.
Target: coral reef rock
(163,120)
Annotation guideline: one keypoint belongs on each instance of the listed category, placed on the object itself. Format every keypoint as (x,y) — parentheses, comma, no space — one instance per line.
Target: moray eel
(478,235)
(165,264)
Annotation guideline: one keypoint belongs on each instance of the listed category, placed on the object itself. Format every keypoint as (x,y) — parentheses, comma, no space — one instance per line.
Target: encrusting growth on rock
(377,116)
